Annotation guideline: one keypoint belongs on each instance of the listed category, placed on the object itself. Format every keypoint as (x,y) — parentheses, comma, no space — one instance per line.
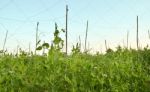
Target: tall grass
(118,71)
(123,70)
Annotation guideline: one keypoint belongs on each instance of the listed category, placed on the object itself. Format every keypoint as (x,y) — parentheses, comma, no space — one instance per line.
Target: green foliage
(56,46)
(76,49)
(113,72)
(39,48)
(109,50)
(45,45)
(57,42)
(122,70)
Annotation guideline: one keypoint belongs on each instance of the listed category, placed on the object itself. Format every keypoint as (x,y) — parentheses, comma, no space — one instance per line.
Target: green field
(123,70)
(120,71)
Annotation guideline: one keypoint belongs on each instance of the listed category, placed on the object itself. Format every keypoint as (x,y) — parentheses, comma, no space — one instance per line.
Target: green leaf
(63,30)
(38,42)
(39,48)
(46,45)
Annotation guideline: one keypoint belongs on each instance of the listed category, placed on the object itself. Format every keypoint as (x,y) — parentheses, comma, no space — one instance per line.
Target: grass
(120,71)
(124,70)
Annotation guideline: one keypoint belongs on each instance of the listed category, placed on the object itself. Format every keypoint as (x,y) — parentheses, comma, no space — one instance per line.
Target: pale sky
(108,19)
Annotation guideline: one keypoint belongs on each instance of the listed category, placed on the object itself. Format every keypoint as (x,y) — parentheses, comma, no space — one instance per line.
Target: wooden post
(106,45)
(29,48)
(127,39)
(67,29)
(44,50)
(80,42)
(101,49)
(36,36)
(137,35)
(148,34)
(86,35)
(5,40)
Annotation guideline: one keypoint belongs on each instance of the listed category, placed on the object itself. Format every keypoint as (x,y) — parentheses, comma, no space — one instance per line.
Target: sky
(108,20)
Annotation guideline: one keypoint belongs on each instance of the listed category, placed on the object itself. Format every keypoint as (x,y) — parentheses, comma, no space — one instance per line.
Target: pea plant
(56,45)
